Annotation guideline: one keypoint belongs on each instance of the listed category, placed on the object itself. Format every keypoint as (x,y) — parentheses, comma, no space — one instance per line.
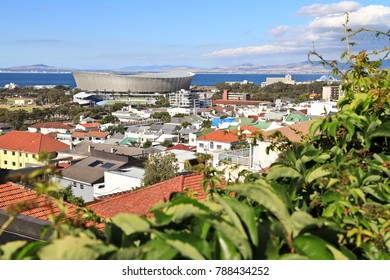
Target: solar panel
(108,165)
(93,164)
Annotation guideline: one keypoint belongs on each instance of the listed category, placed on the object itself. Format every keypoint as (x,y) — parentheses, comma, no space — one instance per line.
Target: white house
(217,140)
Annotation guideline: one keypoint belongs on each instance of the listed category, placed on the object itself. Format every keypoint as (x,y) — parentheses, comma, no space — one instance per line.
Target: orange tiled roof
(289,132)
(141,200)
(78,134)
(30,142)
(94,133)
(182,147)
(57,125)
(90,125)
(35,206)
(220,136)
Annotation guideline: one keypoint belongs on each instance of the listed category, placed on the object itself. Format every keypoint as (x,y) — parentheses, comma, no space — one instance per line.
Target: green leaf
(281,171)
(318,173)
(179,212)
(314,126)
(184,244)
(157,249)
(130,223)
(7,250)
(300,220)
(227,248)
(329,197)
(382,131)
(234,235)
(313,247)
(263,194)
(247,215)
(336,253)
(70,248)
(329,211)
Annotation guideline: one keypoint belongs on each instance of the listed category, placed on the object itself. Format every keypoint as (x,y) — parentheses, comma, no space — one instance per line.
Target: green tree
(167,167)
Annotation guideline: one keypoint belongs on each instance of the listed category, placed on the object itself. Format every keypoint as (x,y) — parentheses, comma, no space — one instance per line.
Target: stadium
(162,82)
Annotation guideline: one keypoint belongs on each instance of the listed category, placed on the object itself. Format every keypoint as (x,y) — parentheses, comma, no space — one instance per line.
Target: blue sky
(113,34)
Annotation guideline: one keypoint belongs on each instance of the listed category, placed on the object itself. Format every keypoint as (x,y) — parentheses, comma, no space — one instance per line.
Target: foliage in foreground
(328,200)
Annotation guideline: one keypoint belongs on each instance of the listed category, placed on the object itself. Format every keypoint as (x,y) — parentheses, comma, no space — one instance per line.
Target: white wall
(261,159)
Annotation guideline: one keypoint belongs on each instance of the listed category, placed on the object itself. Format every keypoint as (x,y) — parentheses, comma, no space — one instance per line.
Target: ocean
(66,79)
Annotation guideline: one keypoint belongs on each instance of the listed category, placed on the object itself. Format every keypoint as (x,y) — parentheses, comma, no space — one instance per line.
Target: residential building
(287,79)
(217,140)
(87,177)
(331,93)
(48,127)
(29,223)
(141,200)
(20,149)
(183,99)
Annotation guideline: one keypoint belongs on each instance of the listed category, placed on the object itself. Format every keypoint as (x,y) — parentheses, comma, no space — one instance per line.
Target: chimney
(225,95)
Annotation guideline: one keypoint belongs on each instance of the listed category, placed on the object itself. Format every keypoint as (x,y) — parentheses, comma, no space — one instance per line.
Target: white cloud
(334,8)
(279,31)
(325,30)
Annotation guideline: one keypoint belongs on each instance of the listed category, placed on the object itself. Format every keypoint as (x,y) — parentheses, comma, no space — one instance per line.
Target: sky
(113,34)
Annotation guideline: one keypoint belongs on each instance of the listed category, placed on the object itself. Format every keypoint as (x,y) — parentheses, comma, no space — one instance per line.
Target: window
(13,163)
(219,147)
(13,153)
(5,152)
(94,163)
(81,186)
(201,145)
(20,165)
(108,165)
(5,162)
(20,154)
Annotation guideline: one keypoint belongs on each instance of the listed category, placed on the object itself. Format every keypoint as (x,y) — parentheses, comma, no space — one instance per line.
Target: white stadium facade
(162,82)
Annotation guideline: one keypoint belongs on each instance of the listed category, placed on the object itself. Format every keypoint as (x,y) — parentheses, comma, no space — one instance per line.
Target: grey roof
(168,128)
(137,128)
(188,130)
(91,170)
(83,148)
(133,172)
(115,139)
(178,120)
(155,127)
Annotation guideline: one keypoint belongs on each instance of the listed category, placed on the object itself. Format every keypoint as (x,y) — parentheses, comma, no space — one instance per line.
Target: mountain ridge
(304,67)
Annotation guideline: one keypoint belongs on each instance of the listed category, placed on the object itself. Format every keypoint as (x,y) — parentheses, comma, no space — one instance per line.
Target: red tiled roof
(289,131)
(78,134)
(182,147)
(30,142)
(220,136)
(239,102)
(249,128)
(90,125)
(94,133)
(57,125)
(31,204)
(141,200)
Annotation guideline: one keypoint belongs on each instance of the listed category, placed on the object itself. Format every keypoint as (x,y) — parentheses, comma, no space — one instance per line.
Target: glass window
(5,152)
(13,163)
(201,145)
(5,162)
(13,153)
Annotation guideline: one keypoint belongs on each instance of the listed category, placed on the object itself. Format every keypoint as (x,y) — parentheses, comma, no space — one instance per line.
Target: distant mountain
(156,67)
(38,68)
(305,67)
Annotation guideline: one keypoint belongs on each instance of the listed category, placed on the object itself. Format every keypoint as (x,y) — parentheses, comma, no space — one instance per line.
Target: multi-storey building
(184,99)
(20,149)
